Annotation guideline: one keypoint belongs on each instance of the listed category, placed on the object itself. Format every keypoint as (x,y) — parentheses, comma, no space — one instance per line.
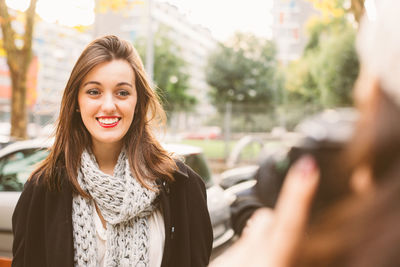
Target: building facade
(57,49)
(289,27)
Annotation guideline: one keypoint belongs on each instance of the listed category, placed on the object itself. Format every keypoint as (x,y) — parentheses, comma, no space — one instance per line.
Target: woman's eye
(123,93)
(93,92)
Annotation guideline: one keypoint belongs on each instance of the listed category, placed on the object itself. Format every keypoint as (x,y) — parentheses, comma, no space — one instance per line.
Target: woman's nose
(108,104)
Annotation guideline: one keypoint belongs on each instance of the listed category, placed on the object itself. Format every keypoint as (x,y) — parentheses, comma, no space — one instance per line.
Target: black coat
(42,224)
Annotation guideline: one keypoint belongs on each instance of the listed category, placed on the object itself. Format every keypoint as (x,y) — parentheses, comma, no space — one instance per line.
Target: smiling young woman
(107,100)
(108,194)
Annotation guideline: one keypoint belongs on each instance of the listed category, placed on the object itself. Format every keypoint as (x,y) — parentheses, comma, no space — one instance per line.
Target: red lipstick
(108,121)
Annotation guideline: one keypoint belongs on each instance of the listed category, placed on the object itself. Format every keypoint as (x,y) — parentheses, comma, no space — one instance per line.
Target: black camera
(323,136)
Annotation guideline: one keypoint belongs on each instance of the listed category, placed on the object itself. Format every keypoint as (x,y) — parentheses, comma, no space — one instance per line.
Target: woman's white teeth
(108,121)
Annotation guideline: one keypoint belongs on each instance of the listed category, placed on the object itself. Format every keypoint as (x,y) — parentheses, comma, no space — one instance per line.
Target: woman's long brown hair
(147,158)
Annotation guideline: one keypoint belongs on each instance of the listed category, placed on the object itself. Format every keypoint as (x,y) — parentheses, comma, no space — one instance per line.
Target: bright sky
(66,12)
(222,17)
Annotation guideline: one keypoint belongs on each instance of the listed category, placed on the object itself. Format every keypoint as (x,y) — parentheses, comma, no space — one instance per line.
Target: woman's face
(107,99)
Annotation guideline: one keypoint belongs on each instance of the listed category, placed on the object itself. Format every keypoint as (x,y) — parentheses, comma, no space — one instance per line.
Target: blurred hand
(271,237)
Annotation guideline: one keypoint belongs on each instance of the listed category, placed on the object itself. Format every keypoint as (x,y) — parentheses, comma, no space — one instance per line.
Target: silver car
(18,160)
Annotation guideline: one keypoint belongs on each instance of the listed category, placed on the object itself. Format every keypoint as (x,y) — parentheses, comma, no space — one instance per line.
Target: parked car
(237,175)
(5,140)
(34,130)
(18,160)
(244,204)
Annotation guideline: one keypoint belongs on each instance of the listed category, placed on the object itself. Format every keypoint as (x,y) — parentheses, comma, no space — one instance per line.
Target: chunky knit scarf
(125,205)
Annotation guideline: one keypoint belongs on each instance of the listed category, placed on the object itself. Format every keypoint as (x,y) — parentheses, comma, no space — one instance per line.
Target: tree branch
(357,7)
(7,30)
(29,22)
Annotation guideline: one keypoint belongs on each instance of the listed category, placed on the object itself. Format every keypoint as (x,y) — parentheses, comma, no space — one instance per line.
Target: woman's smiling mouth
(108,121)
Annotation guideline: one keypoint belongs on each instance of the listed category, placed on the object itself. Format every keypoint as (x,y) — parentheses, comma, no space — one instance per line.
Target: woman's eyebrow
(91,82)
(97,83)
(125,83)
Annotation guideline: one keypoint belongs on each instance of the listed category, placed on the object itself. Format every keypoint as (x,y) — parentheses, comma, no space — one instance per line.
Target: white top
(156,242)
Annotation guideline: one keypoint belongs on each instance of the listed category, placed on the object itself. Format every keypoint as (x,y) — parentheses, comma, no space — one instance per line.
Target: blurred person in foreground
(362,229)
(108,194)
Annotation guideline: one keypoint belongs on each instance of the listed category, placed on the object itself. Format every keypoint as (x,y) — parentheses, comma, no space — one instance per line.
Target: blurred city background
(238,80)
(224,70)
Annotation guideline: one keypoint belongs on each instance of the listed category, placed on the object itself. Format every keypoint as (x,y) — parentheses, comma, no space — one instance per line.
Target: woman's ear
(361,181)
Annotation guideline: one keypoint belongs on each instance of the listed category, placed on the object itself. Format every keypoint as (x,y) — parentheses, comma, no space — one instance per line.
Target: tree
(18,59)
(336,68)
(325,75)
(336,8)
(357,9)
(170,78)
(243,72)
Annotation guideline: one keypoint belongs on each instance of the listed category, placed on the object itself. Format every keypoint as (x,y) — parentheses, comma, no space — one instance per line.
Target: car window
(198,163)
(16,168)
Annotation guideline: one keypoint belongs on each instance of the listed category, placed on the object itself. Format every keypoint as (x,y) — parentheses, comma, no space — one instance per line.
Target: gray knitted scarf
(125,205)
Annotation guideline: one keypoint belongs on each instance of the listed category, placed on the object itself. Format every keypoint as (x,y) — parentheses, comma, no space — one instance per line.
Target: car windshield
(16,168)
(198,163)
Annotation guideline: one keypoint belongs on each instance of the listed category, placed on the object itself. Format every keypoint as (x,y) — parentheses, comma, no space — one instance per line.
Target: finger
(237,254)
(293,207)
(297,192)
(249,249)
(261,219)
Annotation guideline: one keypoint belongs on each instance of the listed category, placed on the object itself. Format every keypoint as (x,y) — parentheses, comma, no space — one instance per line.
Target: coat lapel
(166,196)
(69,241)
(59,229)
(166,210)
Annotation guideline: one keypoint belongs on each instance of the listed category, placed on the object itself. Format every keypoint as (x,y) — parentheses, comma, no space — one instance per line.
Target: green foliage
(300,83)
(336,69)
(170,78)
(243,71)
(318,28)
(325,75)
